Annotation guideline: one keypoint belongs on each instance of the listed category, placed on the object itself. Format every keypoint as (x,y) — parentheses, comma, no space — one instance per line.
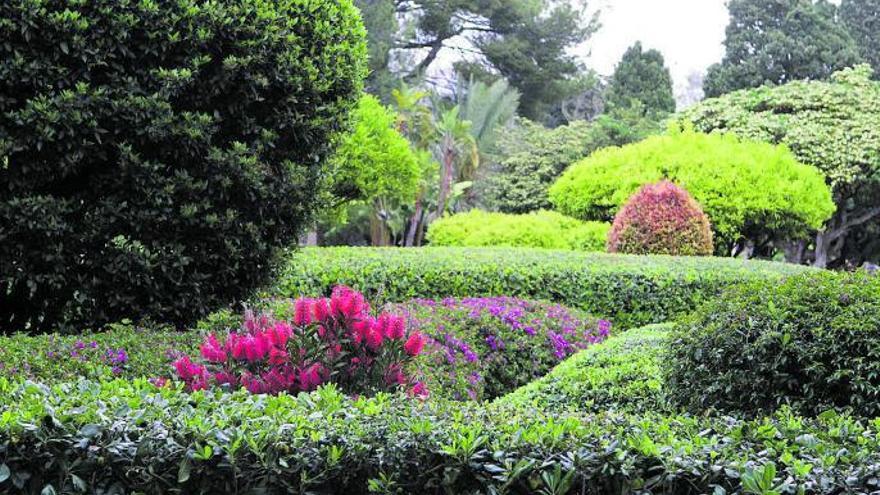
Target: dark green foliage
(862,19)
(128,437)
(641,77)
(812,342)
(156,155)
(623,373)
(531,156)
(628,290)
(778,41)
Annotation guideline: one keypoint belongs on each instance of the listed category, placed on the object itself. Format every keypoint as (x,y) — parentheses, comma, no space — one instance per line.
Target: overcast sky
(689,33)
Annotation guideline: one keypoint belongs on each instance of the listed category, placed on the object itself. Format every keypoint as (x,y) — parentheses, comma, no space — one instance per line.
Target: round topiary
(661,218)
(812,342)
(154,156)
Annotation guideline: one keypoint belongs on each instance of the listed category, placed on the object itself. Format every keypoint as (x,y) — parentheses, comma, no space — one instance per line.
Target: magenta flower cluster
(328,340)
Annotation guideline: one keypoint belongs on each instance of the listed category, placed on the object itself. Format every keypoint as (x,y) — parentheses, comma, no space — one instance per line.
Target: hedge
(130,437)
(622,373)
(629,290)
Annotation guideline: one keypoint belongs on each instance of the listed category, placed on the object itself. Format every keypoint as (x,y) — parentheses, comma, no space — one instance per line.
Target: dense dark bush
(812,342)
(661,218)
(628,290)
(129,437)
(154,155)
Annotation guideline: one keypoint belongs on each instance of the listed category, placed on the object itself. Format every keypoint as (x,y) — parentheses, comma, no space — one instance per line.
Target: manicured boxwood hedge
(630,290)
(623,373)
(130,437)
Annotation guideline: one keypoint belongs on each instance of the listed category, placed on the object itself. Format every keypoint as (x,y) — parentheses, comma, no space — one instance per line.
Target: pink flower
(414,344)
(394,327)
(187,370)
(374,338)
(212,351)
(278,334)
(278,357)
(419,390)
(225,377)
(254,385)
(394,375)
(320,310)
(255,347)
(311,377)
(302,313)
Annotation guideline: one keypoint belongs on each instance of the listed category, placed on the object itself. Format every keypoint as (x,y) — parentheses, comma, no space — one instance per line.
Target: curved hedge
(543,229)
(629,290)
(129,437)
(812,343)
(622,373)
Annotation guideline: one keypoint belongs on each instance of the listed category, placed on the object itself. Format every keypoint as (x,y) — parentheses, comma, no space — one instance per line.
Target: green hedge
(540,229)
(129,437)
(629,290)
(621,373)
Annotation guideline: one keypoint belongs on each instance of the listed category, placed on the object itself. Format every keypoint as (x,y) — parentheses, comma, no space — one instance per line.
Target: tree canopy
(833,126)
(862,19)
(750,190)
(771,42)
(642,77)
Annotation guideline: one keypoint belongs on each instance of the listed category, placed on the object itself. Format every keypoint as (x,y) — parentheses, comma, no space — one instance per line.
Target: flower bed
(481,348)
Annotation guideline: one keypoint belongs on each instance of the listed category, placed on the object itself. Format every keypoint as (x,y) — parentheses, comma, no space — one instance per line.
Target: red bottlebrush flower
(225,377)
(394,375)
(212,351)
(187,370)
(360,328)
(414,344)
(278,357)
(278,334)
(311,377)
(395,328)
(253,384)
(374,338)
(276,381)
(302,313)
(321,310)
(255,347)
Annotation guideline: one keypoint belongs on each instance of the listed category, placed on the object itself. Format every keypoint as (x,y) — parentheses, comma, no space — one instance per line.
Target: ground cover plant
(629,291)
(481,348)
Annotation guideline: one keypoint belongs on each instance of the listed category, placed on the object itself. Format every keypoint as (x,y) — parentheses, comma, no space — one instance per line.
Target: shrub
(661,218)
(480,348)
(130,437)
(122,350)
(542,229)
(623,373)
(155,155)
(329,340)
(628,290)
(811,342)
(747,188)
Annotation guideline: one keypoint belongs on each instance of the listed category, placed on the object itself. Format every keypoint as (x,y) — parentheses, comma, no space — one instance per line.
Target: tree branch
(848,223)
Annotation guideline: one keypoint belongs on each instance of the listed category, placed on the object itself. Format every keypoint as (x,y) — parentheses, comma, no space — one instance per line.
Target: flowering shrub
(480,348)
(328,340)
(661,218)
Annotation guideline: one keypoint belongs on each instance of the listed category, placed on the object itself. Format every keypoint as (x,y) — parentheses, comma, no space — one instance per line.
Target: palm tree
(456,150)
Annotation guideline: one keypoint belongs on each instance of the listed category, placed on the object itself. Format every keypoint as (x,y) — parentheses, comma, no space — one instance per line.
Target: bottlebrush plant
(328,340)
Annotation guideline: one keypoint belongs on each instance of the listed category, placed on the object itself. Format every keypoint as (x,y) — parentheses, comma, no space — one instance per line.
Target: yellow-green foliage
(545,229)
(747,188)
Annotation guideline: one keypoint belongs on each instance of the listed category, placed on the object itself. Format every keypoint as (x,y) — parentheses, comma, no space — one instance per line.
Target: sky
(689,33)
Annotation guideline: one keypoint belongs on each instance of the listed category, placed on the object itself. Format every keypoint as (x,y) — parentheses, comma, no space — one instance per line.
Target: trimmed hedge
(123,437)
(629,290)
(540,229)
(623,373)
(812,342)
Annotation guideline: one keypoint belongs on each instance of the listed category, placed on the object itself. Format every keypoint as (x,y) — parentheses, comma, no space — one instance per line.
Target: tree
(376,165)
(381,21)
(527,42)
(862,19)
(754,193)
(531,157)
(156,156)
(829,125)
(778,41)
(642,77)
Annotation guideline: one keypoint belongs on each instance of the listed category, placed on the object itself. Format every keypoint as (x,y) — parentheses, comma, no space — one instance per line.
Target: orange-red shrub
(661,218)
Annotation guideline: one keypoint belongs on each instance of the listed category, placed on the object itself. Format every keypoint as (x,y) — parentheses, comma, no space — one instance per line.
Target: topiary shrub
(661,218)
(811,342)
(542,229)
(155,155)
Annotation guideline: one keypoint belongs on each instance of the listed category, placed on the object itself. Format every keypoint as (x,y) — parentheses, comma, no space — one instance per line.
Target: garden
(242,253)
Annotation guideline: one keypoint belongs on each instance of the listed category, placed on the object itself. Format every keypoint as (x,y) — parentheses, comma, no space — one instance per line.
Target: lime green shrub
(623,373)
(748,189)
(628,290)
(661,218)
(811,342)
(543,229)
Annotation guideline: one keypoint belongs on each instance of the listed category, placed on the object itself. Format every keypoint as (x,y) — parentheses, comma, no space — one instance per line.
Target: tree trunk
(414,222)
(445,176)
(379,235)
(794,251)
